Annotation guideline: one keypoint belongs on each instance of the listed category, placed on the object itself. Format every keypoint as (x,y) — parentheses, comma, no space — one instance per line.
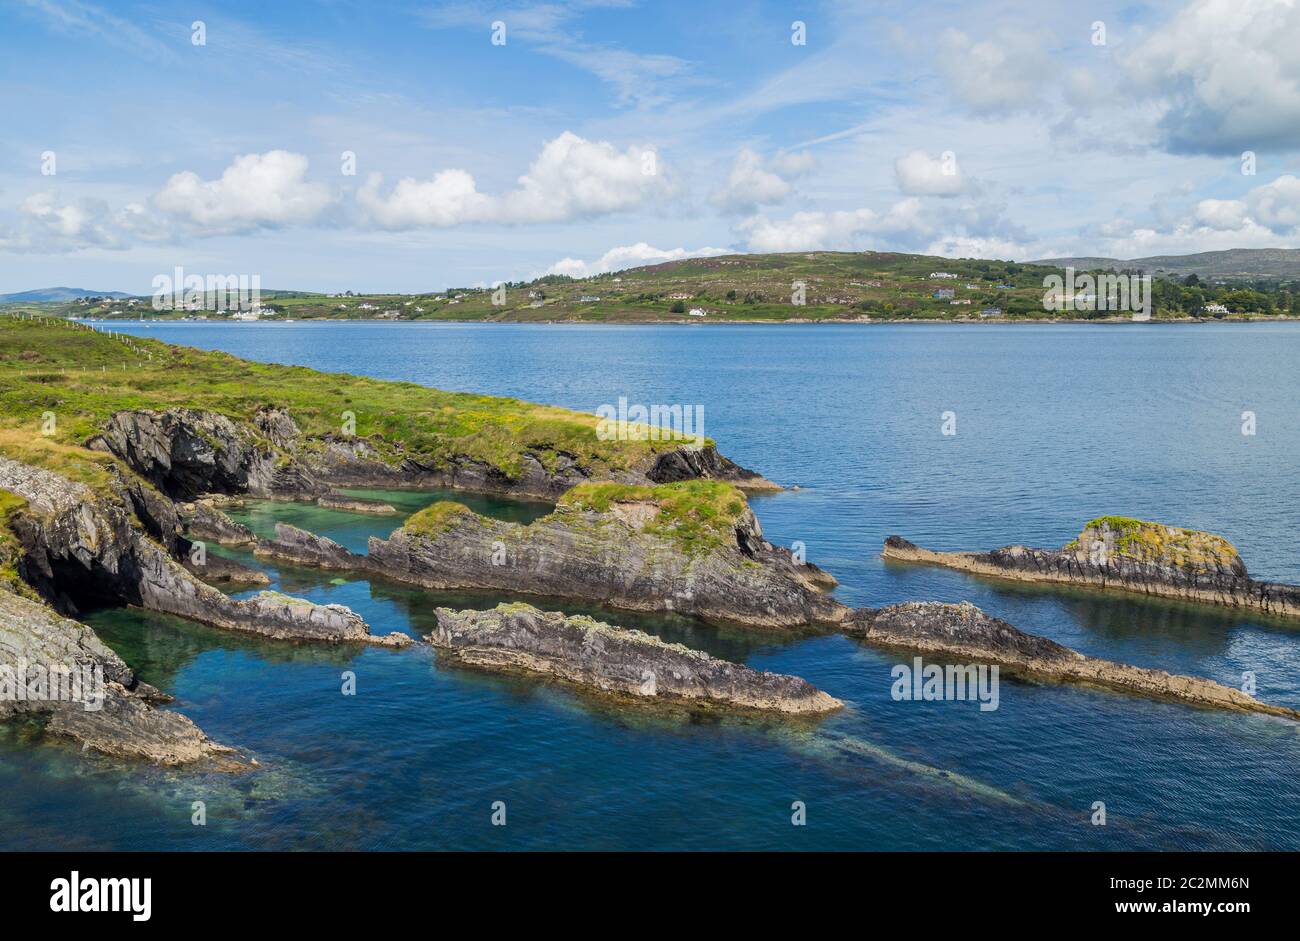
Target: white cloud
(450,198)
(754,182)
(1274,206)
(998,75)
(629,256)
(571,178)
(846,229)
(256,190)
(965,246)
(1264,217)
(1221,214)
(1228,75)
(48,224)
(919,174)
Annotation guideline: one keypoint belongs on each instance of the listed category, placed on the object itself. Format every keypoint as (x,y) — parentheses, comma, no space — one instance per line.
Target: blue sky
(609,133)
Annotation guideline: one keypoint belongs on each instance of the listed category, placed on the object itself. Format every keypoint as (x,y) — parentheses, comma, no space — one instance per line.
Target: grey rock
(626,663)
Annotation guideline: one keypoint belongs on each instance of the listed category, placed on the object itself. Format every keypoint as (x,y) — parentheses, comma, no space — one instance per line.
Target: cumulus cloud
(1274,206)
(754,182)
(256,190)
(1002,74)
(1228,76)
(571,178)
(46,223)
(845,229)
(628,256)
(919,174)
(967,246)
(1264,217)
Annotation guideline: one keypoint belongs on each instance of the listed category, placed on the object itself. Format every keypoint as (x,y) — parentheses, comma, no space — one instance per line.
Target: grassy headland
(60,382)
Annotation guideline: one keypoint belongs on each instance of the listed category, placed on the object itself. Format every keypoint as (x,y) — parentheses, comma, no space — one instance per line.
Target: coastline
(804,321)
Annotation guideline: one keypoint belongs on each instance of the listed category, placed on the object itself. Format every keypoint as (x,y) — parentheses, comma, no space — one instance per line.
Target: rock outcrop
(1129,555)
(113,713)
(300,547)
(79,546)
(205,521)
(612,660)
(188,452)
(964,631)
(693,548)
(219,570)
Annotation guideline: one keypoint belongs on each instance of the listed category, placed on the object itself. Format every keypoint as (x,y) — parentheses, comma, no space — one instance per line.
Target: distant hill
(56,295)
(1235,263)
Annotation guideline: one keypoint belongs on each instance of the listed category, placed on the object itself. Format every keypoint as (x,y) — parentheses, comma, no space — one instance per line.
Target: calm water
(1055,425)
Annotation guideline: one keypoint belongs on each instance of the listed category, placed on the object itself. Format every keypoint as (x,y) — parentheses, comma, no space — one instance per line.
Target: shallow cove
(352,530)
(1055,425)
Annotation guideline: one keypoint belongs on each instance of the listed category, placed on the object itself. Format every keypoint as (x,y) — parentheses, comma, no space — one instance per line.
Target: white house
(698,312)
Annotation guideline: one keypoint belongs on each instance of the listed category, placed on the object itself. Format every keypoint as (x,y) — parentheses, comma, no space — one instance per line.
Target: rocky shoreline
(1127,555)
(188,453)
(616,661)
(668,532)
(125,723)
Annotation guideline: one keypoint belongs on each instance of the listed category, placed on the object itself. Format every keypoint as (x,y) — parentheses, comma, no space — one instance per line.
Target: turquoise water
(1055,425)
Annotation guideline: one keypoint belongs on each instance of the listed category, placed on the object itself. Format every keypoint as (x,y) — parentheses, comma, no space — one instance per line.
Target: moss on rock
(1156,543)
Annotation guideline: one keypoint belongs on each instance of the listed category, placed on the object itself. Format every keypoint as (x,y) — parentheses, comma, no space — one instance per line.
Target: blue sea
(1055,424)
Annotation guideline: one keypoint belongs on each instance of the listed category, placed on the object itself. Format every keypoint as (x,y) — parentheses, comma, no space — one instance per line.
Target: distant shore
(860,321)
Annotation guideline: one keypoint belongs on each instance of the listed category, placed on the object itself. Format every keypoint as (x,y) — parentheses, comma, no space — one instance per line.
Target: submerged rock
(341,501)
(964,631)
(627,663)
(1129,555)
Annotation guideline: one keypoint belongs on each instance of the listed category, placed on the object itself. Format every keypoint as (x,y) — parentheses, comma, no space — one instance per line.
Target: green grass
(10,550)
(82,377)
(436,518)
(698,514)
(1147,541)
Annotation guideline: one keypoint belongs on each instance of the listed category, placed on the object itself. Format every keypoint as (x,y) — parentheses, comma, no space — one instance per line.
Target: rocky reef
(123,719)
(692,548)
(964,631)
(616,661)
(1128,555)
